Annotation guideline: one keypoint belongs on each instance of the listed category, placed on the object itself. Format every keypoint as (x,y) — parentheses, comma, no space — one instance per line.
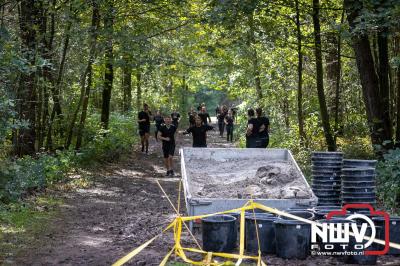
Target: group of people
(166,126)
(257,132)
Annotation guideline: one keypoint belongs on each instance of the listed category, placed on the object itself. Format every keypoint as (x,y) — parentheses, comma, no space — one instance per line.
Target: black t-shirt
(168,132)
(175,117)
(263,121)
(204,117)
(229,120)
(217,110)
(144,115)
(191,117)
(159,120)
(199,135)
(254,122)
(221,117)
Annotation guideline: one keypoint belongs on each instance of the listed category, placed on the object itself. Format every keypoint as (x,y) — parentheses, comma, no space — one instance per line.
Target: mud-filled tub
(218,179)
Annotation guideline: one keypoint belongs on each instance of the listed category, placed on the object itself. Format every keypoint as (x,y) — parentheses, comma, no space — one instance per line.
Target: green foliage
(21,177)
(388,180)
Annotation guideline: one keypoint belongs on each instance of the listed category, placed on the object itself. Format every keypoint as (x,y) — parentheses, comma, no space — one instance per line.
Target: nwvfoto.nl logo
(356,232)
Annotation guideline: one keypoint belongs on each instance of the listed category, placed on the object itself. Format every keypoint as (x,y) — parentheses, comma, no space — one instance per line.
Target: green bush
(26,175)
(388,180)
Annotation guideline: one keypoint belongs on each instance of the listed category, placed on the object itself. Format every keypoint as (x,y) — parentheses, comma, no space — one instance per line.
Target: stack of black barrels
(326,173)
(358,182)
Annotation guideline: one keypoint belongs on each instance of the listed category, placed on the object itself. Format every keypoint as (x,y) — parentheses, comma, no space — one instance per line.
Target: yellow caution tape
(180,251)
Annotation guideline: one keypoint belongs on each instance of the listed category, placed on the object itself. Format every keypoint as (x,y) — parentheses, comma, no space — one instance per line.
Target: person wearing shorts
(229,126)
(144,127)
(167,135)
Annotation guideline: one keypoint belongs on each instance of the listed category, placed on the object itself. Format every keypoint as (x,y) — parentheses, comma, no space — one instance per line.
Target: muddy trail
(121,210)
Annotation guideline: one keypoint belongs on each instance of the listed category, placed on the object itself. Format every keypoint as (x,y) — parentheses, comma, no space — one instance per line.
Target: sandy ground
(246,178)
(122,210)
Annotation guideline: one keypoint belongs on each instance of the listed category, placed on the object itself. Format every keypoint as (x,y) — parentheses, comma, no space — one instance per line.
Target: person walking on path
(204,116)
(191,115)
(217,110)
(199,133)
(221,120)
(144,117)
(229,126)
(159,120)
(176,117)
(252,130)
(263,132)
(167,135)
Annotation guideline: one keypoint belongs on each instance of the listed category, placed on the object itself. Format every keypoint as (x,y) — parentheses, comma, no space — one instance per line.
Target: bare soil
(123,209)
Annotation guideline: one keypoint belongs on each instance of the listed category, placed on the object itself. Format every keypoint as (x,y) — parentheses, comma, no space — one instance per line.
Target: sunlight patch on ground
(99,191)
(92,241)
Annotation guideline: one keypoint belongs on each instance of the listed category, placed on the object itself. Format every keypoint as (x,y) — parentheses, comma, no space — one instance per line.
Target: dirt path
(122,210)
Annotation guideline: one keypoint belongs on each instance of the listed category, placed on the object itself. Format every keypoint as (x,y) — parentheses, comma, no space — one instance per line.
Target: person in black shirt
(144,126)
(263,132)
(167,135)
(252,130)
(217,110)
(199,133)
(175,118)
(159,120)
(204,116)
(221,120)
(229,126)
(191,115)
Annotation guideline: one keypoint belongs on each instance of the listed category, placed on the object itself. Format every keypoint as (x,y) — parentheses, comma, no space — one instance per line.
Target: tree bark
(84,100)
(397,51)
(254,58)
(138,89)
(299,77)
(320,79)
(127,87)
(109,68)
(338,80)
(369,79)
(29,22)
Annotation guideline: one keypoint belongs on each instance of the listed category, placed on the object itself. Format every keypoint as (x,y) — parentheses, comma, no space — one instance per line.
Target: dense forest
(73,75)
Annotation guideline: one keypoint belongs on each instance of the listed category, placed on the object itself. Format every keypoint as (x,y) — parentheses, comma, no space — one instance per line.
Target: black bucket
(358,171)
(336,246)
(309,215)
(329,183)
(334,164)
(350,163)
(364,178)
(266,233)
(358,194)
(364,259)
(219,233)
(328,169)
(331,207)
(359,189)
(327,154)
(394,231)
(326,178)
(293,239)
(360,184)
(321,213)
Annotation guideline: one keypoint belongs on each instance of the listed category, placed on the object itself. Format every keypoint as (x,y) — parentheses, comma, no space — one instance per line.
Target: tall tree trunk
(127,87)
(84,100)
(254,57)
(384,88)
(300,116)
(368,77)
(397,51)
(29,22)
(320,78)
(138,89)
(109,69)
(338,79)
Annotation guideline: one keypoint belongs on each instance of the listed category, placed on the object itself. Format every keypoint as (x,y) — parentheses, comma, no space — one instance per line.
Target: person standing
(159,120)
(175,118)
(263,132)
(199,133)
(217,110)
(221,120)
(205,117)
(191,115)
(167,135)
(144,127)
(252,130)
(229,126)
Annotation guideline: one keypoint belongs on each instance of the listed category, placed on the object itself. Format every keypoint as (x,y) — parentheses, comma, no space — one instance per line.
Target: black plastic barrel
(327,154)
(219,233)
(364,259)
(394,231)
(358,185)
(266,233)
(293,239)
(351,163)
(309,215)
(336,246)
